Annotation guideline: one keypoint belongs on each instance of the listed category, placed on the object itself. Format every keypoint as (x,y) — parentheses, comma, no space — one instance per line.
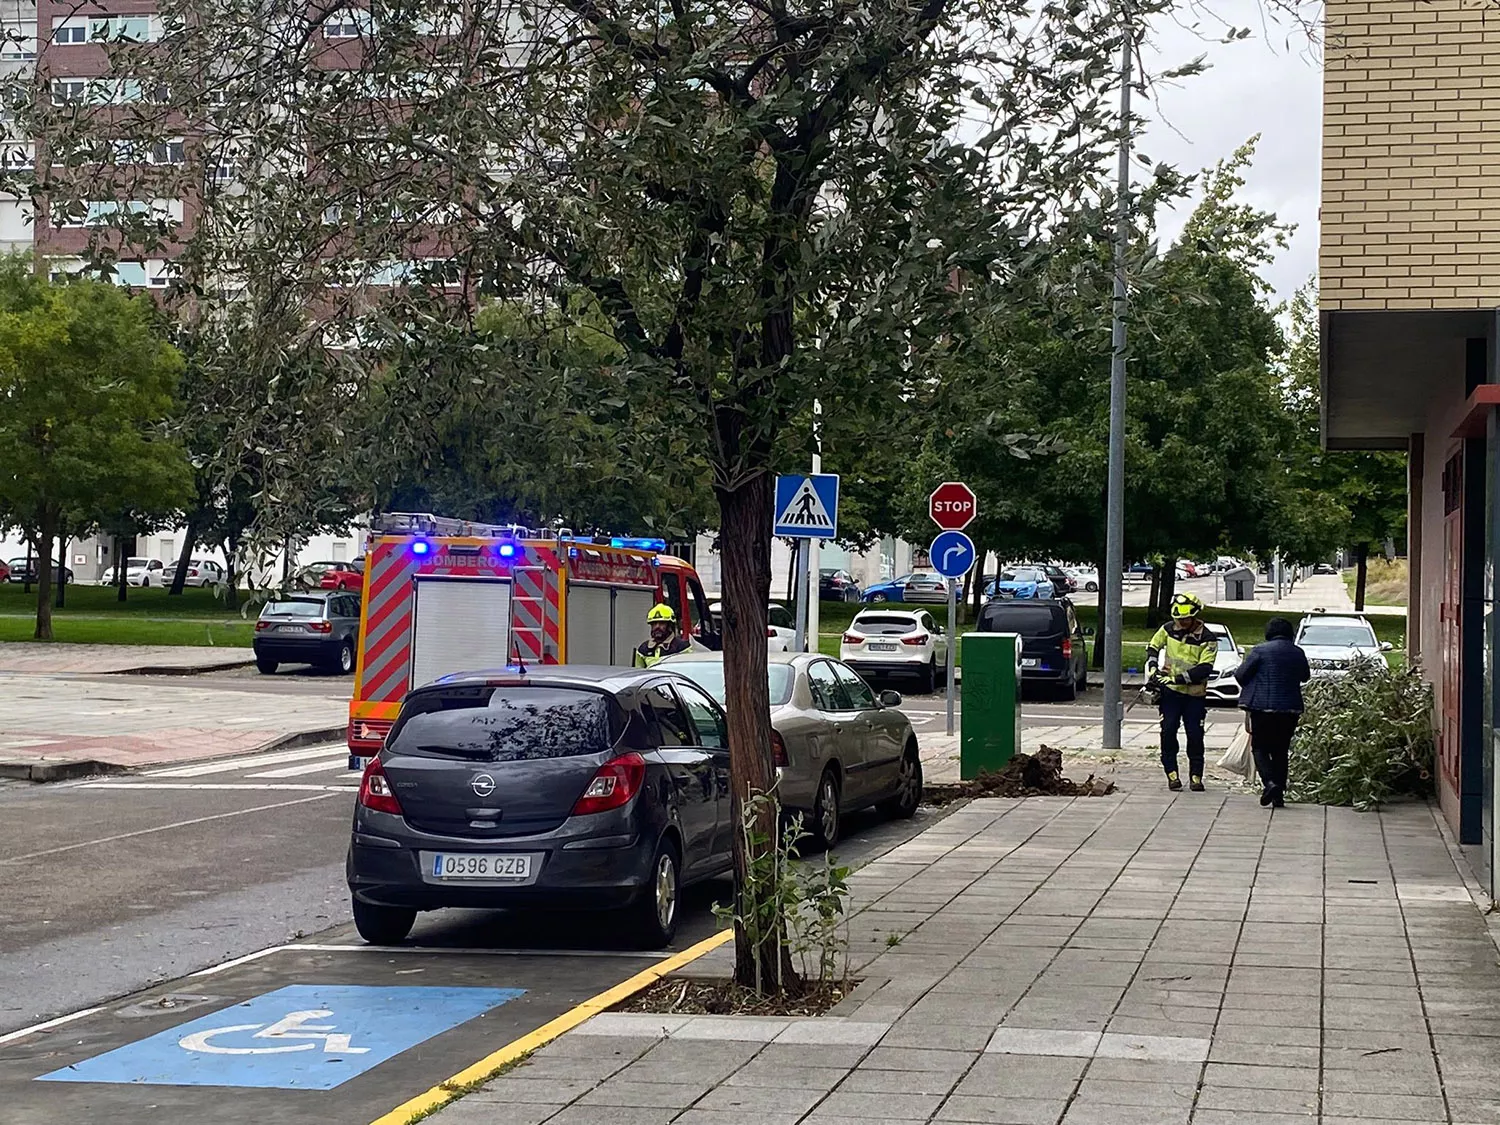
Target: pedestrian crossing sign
(807,507)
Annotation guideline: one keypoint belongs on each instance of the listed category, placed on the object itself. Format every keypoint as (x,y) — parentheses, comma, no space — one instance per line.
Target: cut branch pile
(1025,775)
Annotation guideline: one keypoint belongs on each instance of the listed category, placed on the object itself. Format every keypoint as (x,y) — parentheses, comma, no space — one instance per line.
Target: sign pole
(952,647)
(799,571)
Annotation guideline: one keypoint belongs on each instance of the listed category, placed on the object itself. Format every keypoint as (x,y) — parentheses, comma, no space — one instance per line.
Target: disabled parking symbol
(301,1037)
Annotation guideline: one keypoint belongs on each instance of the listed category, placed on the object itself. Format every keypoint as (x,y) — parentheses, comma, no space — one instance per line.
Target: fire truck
(444,595)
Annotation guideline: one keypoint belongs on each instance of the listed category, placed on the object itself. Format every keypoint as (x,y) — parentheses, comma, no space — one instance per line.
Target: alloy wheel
(828,809)
(665,891)
(909,782)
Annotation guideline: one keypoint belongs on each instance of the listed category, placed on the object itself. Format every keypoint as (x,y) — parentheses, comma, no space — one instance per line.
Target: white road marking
(162,828)
(47,1025)
(229,765)
(265,786)
(339,761)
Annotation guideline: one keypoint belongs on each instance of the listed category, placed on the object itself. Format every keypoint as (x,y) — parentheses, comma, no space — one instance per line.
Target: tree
(85,384)
(764,206)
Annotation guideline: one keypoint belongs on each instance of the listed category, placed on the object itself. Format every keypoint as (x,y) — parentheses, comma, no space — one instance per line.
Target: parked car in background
(837,586)
(889,590)
(1021,582)
(1333,643)
(927,586)
(318,627)
(1186,568)
(1054,651)
(564,786)
(895,642)
(144,572)
(343,576)
(4,572)
(781,625)
(24,570)
(1086,577)
(1062,582)
(1140,568)
(838,746)
(200,572)
(1222,686)
(1325,568)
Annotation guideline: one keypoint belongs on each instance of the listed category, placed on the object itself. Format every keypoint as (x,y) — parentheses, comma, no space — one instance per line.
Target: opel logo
(482,784)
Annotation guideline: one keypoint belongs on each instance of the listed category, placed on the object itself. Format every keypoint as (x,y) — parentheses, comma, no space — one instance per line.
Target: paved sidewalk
(46,721)
(1083,752)
(1134,960)
(40,657)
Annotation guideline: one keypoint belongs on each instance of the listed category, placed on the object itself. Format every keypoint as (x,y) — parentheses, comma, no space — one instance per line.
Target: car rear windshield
(884,625)
(709,675)
(300,607)
(136,564)
(1338,636)
(1027,620)
(516,724)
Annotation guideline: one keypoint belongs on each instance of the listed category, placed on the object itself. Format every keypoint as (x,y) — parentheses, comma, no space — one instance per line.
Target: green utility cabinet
(990,731)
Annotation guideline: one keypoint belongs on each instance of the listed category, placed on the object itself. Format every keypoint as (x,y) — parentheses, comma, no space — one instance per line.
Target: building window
(340,552)
(122,29)
(351,23)
(69,91)
(65,32)
(168,152)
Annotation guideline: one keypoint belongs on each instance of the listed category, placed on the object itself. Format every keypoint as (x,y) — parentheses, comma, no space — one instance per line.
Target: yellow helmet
(1185,606)
(661,612)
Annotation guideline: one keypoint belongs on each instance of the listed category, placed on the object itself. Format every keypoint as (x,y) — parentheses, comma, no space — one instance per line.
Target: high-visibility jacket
(648,654)
(1185,660)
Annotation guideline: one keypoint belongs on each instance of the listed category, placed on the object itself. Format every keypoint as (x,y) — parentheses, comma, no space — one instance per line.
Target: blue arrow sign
(952,554)
(807,507)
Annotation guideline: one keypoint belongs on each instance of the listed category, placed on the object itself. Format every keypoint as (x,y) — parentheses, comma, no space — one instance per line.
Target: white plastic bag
(1238,758)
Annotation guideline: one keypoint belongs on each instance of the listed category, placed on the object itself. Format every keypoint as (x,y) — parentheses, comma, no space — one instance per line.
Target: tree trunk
(45,534)
(1100,636)
(231,576)
(62,563)
(189,541)
(976,581)
(30,558)
(1167,589)
(1152,620)
(745,543)
(120,584)
(1361,572)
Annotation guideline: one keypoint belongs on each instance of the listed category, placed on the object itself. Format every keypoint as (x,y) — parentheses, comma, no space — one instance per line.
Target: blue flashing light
(639,544)
(507,550)
(420,547)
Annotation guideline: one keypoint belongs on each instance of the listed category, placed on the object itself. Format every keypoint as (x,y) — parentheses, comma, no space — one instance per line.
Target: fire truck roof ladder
(425,523)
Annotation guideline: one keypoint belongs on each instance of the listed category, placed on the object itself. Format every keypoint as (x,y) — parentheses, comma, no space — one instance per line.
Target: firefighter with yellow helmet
(665,639)
(1179,661)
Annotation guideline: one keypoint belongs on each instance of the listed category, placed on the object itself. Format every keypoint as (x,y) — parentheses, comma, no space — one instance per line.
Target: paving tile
(1001,1111)
(1262,1077)
(754,1029)
(1080,1113)
(631,1024)
(617,1115)
(823,1078)
(1242,1098)
(1035,1041)
(881,1106)
(833,1030)
(623,1092)
(764,1100)
(472,1110)
(1396,1107)
(1153,1048)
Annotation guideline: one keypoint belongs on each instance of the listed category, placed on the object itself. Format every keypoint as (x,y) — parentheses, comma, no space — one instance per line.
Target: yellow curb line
(450,1089)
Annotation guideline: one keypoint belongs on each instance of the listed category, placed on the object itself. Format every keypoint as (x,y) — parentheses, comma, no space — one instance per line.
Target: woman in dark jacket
(1271,680)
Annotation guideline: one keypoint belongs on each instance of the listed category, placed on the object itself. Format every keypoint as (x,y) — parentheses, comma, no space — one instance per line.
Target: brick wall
(1411,155)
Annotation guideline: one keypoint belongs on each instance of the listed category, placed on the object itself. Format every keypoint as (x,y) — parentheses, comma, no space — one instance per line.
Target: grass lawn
(93,615)
(1385,582)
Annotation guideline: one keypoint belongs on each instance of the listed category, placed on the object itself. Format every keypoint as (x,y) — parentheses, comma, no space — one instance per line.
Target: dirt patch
(725,998)
(1025,775)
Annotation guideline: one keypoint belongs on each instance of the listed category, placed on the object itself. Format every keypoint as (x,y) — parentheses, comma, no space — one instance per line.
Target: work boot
(1266,796)
(1174,782)
(1197,784)
(1278,802)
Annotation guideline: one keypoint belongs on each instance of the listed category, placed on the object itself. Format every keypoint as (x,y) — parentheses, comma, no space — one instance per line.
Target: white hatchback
(893,642)
(781,627)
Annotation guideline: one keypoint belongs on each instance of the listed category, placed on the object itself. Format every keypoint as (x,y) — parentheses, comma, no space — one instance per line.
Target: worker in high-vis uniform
(1179,661)
(665,640)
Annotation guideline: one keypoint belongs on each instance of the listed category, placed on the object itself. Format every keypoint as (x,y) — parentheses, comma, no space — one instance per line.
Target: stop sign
(952,505)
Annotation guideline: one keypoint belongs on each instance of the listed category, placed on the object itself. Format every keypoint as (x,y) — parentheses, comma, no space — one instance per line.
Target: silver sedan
(838,747)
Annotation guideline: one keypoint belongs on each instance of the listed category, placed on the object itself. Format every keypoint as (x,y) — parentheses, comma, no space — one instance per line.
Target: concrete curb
(181,669)
(42,772)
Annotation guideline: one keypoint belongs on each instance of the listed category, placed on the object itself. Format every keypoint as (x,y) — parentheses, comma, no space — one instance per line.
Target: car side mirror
(940,631)
(1088,631)
(890,699)
(1386,646)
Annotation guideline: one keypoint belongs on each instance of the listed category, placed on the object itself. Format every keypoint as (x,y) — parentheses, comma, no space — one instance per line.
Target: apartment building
(1410,314)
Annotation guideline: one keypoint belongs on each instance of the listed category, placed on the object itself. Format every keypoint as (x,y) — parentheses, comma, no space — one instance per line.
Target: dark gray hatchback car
(572,786)
(320,627)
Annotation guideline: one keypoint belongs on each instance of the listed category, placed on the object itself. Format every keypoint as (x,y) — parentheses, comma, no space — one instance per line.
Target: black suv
(1053,646)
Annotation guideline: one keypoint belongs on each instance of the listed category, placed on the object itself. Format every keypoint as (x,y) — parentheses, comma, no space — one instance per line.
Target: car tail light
(375,790)
(854,639)
(770,632)
(778,751)
(260,626)
(617,781)
(320,626)
(368,734)
(919,639)
(1067,648)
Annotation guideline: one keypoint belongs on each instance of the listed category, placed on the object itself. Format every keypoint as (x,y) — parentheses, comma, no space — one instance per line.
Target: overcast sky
(1259,85)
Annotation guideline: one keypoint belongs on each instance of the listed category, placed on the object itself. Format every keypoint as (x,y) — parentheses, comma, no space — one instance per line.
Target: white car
(144,572)
(1333,644)
(201,572)
(1222,686)
(781,626)
(895,642)
(1086,576)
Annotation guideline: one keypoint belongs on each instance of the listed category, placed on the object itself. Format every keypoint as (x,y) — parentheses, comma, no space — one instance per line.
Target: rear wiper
(480,754)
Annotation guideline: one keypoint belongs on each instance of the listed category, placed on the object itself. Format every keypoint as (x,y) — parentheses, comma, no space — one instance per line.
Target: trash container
(990,728)
(1239,585)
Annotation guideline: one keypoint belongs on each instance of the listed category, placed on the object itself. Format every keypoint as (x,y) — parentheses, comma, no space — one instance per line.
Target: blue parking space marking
(301,1037)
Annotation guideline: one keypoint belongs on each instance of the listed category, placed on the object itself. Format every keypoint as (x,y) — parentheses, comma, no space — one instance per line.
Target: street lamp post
(1114,531)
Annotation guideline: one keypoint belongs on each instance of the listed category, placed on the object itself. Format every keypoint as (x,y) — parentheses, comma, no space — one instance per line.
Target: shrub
(1365,737)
